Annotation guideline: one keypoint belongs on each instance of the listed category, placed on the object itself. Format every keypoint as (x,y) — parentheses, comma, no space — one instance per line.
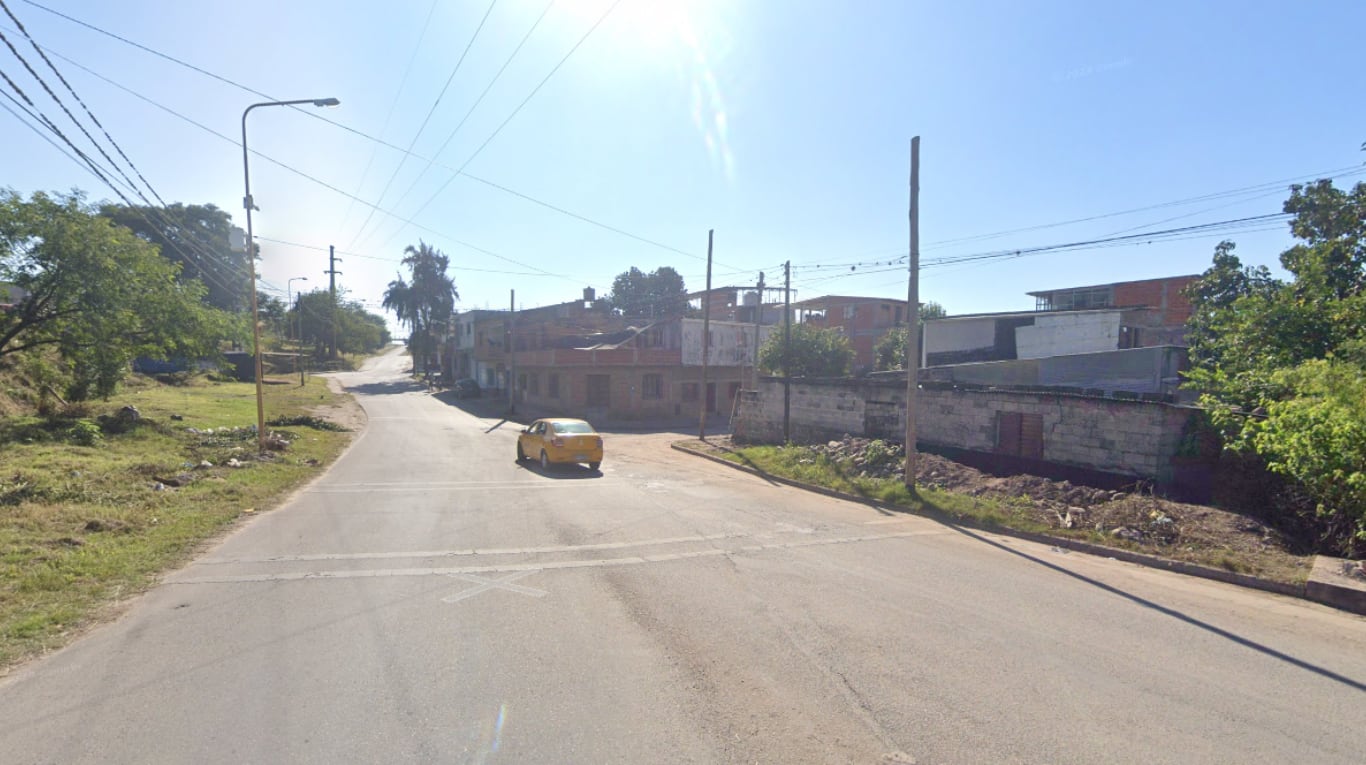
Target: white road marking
(634,560)
(409,487)
(505,583)
(480,550)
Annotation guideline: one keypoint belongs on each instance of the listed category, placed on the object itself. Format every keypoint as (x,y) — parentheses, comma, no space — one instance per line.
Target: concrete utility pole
(512,351)
(758,316)
(787,351)
(706,342)
(913,323)
(332,274)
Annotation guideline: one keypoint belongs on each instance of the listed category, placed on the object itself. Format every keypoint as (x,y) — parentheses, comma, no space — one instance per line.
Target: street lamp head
(327,102)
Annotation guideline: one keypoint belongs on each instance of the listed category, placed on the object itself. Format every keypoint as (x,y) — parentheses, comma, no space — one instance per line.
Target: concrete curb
(1329,593)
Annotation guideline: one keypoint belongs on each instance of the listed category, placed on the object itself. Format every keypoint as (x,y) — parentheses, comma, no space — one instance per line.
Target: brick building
(646,374)
(1163,298)
(864,320)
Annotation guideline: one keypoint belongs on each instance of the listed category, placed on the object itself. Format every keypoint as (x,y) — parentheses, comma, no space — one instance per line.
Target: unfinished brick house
(1126,336)
(864,320)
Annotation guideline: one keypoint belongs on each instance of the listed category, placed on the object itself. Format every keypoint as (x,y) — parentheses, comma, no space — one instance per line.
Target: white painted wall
(959,335)
(732,342)
(1067,333)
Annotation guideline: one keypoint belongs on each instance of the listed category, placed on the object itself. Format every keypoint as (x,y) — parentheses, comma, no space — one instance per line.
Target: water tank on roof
(751,299)
(589,294)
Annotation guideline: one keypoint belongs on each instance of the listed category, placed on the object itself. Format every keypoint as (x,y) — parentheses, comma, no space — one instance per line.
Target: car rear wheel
(594,465)
(520,456)
(545,460)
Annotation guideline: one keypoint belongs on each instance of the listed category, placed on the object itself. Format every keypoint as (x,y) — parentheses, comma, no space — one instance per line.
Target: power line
(425,120)
(64,108)
(307,176)
(1175,203)
(475,105)
(397,260)
(1199,231)
(392,106)
(315,114)
(74,95)
(202,266)
(93,167)
(514,113)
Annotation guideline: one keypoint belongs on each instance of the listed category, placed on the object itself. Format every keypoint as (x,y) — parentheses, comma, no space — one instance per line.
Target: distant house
(581,359)
(1164,299)
(1126,336)
(651,373)
(864,320)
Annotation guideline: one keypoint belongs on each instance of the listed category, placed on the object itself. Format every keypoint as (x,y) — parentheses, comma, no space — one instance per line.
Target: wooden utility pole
(787,352)
(913,318)
(706,343)
(512,350)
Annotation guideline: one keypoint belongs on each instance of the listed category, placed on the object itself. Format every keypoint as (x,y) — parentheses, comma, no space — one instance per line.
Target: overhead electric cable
(425,120)
(315,114)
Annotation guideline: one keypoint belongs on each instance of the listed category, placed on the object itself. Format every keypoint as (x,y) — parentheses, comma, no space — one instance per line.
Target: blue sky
(783,125)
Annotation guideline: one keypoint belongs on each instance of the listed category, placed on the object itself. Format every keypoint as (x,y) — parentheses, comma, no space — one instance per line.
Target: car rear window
(572,427)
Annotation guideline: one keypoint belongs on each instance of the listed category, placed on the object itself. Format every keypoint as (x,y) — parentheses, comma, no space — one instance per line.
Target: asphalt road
(429,600)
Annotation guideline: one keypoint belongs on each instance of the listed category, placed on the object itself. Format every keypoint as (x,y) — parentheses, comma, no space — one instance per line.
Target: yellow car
(560,441)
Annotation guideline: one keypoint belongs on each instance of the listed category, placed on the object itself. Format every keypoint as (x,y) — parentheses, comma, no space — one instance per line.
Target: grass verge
(93,508)
(1209,537)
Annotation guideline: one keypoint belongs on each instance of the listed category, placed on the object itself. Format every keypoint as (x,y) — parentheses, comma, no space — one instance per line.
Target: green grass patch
(94,507)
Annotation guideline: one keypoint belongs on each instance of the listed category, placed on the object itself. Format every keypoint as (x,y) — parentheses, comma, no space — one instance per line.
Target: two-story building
(1125,336)
(652,373)
(864,320)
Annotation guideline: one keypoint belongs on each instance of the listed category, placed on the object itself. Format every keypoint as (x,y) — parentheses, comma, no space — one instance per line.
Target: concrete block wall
(1126,437)
(1060,334)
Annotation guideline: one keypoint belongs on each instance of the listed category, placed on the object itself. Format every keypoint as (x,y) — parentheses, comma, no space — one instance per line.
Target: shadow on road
(387,388)
(561,472)
(1173,613)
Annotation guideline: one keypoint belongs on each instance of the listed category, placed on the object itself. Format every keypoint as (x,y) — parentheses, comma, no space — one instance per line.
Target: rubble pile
(1061,504)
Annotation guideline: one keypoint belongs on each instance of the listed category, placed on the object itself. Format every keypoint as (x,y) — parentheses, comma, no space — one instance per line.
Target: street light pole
(299,319)
(251,259)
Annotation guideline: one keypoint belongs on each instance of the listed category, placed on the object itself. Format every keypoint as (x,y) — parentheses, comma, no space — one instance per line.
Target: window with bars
(652,386)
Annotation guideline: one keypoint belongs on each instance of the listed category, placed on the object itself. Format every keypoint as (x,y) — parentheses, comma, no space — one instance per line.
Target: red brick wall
(1166,295)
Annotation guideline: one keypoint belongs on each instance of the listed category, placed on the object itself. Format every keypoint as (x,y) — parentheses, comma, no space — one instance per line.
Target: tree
(316,315)
(424,301)
(1213,295)
(890,351)
(1280,366)
(196,237)
(656,295)
(814,352)
(97,293)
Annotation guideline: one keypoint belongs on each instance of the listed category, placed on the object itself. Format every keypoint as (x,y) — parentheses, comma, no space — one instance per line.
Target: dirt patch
(346,413)
(1138,520)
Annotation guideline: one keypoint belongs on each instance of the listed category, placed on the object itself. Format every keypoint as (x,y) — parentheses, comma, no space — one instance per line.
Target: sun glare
(649,25)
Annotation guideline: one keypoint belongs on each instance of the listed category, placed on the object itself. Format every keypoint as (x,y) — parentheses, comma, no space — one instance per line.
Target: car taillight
(557,441)
(599,442)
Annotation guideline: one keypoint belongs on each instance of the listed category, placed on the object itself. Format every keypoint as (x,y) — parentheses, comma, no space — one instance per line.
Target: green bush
(1317,437)
(85,433)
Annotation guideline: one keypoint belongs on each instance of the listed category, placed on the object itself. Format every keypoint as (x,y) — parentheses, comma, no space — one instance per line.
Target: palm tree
(426,300)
